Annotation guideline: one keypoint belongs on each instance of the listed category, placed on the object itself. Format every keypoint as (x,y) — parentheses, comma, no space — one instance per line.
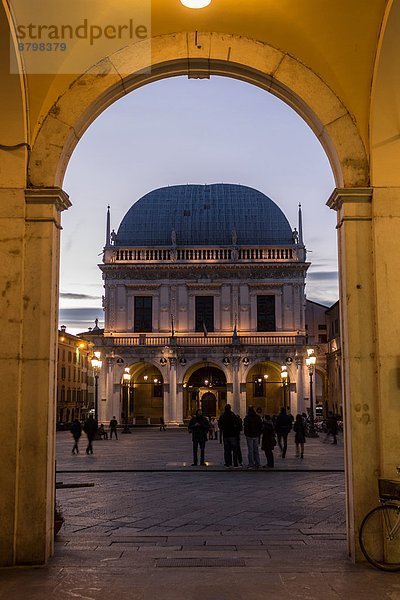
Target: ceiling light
(196,3)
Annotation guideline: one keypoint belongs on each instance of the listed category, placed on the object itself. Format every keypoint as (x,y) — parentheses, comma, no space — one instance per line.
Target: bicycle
(380,530)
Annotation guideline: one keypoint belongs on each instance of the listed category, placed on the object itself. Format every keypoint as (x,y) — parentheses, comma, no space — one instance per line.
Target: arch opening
(258,64)
(142,394)
(265,388)
(205,387)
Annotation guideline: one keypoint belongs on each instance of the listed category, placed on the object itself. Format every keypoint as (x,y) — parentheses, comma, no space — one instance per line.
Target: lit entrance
(205,389)
(142,394)
(209,405)
(266,389)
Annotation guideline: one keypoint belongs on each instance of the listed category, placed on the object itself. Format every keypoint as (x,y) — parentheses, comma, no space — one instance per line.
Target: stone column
(359,358)
(30,249)
(300,408)
(111,408)
(236,384)
(172,390)
(386,267)
(179,404)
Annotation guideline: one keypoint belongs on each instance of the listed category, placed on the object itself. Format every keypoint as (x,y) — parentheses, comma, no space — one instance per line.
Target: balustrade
(210,340)
(193,255)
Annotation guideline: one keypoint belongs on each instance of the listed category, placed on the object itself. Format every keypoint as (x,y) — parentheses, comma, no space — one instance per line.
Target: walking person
(268,441)
(211,429)
(199,427)
(214,424)
(283,426)
(113,428)
(252,425)
(228,424)
(299,429)
(162,424)
(331,427)
(76,430)
(90,428)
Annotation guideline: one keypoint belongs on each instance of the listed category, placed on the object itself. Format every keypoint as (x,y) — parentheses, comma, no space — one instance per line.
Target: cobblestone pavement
(149,449)
(206,534)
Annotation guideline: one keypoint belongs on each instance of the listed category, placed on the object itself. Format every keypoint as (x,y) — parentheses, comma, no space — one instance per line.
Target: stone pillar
(179,404)
(386,266)
(111,408)
(359,350)
(30,249)
(236,384)
(172,390)
(300,408)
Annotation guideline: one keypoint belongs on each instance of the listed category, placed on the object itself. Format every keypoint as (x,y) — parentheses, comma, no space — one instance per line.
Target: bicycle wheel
(380,537)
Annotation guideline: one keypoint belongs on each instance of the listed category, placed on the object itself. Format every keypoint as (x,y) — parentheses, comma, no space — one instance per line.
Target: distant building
(334,358)
(204,304)
(74,377)
(316,337)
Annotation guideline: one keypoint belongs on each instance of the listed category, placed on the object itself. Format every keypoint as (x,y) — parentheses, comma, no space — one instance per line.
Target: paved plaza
(142,524)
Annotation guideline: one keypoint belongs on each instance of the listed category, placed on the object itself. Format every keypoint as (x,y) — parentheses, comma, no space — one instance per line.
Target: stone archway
(264,388)
(200,382)
(181,54)
(177,54)
(144,401)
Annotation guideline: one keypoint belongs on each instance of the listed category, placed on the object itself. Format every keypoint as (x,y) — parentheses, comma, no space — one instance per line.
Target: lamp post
(126,380)
(96,366)
(310,362)
(284,377)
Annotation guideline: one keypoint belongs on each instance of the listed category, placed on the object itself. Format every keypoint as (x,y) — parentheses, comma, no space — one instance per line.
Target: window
(322,327)
(266,313)
(322,338)
(62,372)
(205,313)
(143,314)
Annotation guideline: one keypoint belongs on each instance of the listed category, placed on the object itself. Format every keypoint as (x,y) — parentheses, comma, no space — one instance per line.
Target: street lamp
(126,380)
(96,366)
(310,362)
(284,377)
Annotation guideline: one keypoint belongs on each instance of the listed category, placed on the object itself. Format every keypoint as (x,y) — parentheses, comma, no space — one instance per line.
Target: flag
(172,326)
(205,329)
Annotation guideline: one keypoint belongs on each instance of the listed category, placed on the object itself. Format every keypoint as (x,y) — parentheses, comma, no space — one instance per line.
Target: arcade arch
(265,388)
(142,395)
(177,54)
(370,366)
(204,386)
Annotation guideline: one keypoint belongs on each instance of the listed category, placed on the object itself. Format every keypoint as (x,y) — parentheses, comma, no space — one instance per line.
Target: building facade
(74,377)
(334,360)
(204,304)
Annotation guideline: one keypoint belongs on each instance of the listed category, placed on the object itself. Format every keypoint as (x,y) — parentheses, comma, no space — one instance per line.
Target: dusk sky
(180,131)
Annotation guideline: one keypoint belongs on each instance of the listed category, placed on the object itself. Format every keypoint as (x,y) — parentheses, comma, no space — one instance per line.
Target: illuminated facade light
(196,3)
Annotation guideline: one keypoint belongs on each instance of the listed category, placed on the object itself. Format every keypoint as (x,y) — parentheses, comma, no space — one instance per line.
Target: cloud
(323,275)
(80,319)
(71,296)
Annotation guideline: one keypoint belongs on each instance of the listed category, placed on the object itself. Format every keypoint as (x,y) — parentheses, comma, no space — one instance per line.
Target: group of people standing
(268,432)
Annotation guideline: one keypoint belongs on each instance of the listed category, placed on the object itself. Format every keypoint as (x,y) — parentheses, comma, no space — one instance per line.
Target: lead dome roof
(204,215)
